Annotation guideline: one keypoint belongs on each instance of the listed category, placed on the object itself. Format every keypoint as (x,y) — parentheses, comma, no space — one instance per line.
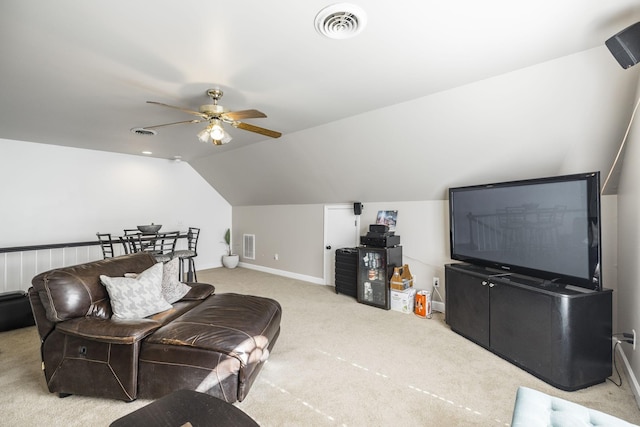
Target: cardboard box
(403,300)
(401,279)
(402,285)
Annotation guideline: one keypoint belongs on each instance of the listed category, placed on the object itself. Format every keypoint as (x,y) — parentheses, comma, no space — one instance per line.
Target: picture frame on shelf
(387,218)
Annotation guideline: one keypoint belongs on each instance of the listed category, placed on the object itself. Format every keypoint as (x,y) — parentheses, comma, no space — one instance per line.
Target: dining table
(160,244)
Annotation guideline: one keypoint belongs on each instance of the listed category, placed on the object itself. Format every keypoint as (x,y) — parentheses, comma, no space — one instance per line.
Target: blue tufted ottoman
(534,408)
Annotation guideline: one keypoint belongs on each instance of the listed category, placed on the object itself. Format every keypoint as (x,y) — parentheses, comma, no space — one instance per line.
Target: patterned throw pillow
(136,298)
(172,289)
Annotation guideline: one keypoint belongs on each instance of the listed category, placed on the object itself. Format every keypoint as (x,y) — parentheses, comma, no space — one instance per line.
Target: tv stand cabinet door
(467,305)
(521,322)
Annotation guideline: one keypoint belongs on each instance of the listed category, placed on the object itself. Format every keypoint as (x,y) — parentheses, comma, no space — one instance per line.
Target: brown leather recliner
(213,343)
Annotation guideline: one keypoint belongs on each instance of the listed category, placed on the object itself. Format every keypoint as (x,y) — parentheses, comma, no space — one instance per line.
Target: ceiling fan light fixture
(203,135)
(216,131)
(211,109)
(226,138)
(216,115)
(341,21)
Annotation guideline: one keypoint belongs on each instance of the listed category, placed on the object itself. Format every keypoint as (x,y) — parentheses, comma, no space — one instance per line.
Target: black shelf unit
(346,278)
(559,333)
(375,268)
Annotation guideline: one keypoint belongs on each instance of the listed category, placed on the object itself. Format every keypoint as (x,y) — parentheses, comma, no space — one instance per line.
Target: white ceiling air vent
(143,131)
(341,21)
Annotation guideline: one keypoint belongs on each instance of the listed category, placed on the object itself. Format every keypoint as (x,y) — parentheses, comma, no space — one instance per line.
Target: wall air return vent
(249,246)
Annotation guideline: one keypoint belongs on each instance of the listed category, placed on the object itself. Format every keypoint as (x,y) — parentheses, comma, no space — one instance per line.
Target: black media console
(561,334)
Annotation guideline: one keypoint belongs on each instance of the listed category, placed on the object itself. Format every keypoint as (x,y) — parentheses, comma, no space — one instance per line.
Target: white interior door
(341,230)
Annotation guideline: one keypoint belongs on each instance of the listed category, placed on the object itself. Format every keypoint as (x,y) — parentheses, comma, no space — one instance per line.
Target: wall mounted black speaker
(625,46)
(357,208)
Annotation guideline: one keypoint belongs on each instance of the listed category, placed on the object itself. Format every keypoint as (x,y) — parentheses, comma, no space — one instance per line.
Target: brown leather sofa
(212,343)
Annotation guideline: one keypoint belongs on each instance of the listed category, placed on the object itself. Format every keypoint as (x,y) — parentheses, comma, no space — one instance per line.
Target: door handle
(328,246)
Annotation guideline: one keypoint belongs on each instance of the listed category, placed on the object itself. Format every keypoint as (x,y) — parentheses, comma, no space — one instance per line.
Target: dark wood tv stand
(558,333)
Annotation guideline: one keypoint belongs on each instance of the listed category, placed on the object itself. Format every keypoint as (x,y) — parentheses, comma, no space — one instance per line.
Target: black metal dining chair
(106,244)
(189,254)
(163,247)
(133,242)
(125,244)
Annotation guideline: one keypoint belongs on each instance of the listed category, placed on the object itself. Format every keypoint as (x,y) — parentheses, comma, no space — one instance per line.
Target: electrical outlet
(436,281)
(276,257)
(633,331)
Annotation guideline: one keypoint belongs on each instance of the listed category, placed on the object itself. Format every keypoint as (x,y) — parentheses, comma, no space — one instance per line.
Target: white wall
(295,233)
(53,194)
(423,228)
(629,248)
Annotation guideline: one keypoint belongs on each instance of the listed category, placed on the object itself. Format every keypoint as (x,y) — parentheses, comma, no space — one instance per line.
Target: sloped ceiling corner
(563,116)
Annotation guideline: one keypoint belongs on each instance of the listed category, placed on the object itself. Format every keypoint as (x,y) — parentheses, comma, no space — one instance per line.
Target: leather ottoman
(216,348)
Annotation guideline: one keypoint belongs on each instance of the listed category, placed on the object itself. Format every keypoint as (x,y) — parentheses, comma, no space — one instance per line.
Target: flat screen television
(547,228)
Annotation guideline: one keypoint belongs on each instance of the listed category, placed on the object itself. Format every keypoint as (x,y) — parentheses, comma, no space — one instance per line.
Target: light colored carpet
(336,363)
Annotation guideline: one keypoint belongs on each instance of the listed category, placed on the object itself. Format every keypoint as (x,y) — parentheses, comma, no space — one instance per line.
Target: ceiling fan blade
(256,129)
(195,113)
(243,114)
(174,123)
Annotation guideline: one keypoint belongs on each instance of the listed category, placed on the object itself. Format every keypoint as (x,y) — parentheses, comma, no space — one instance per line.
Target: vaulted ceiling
(398,112)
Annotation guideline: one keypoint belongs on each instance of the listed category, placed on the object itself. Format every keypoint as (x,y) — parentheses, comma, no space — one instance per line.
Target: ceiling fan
(215,115)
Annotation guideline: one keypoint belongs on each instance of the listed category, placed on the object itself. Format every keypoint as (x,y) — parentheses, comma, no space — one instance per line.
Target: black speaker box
(347,271)
(380,235)
(380,242)
(625,46)
(357,208)
(378,228)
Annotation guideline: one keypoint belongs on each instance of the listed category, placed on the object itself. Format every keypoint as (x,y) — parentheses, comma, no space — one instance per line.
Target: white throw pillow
(136,298)
(172,289)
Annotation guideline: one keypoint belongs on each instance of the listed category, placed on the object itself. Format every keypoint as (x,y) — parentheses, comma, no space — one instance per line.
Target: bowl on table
(149,229)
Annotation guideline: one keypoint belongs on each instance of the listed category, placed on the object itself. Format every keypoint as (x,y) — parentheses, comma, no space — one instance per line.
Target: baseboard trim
(438,306)
(435,305)
(633,381)
(303,277)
